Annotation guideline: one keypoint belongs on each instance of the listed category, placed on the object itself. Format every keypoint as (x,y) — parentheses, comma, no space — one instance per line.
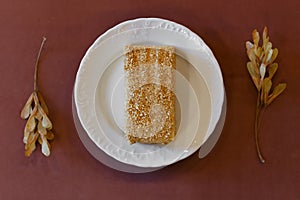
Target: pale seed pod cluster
(38,126)
(262,67)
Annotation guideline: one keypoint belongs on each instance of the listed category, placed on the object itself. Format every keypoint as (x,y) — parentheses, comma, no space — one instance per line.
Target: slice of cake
(150,98)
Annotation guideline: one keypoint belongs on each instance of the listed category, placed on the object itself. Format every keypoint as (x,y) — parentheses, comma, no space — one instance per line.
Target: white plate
(103,58)
(105,159)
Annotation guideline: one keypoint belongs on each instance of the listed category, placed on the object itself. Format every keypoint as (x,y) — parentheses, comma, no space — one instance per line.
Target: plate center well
(110,101)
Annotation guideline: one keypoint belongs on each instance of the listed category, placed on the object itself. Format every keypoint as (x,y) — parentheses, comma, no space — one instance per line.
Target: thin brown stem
(37,64)
(259,112)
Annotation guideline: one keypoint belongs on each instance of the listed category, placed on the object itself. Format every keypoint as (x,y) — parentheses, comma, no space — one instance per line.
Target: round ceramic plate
(99,75)
(105,159)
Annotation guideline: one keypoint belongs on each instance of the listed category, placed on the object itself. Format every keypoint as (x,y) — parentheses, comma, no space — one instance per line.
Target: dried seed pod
(50,135)
(38,116)
(251,55)
(265,37)
(267,84)
(268,47)
(30,149)
(45,146)
(43,103)
(249,45)
(274,55)
(41,130)
(25,113)
(31,124)
(268,56)
(45,120)
(276,92)
(26,135)
(254,74)
(30,146)
(272,70)
(259,52)
(255,36)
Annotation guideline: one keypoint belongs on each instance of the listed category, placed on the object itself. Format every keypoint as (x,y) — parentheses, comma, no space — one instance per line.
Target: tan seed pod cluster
(262,68)
(38,126)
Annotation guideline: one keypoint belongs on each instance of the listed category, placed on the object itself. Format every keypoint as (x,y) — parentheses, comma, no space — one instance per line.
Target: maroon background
(230,171)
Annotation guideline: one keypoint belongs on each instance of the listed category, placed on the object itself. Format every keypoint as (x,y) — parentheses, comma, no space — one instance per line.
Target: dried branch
(262,68)
(38,126)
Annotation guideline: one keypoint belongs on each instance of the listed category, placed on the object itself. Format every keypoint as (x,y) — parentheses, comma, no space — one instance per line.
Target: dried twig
(262,68)
(38,126)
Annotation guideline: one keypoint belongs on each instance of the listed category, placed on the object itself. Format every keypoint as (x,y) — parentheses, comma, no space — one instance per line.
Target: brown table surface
(230,171)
